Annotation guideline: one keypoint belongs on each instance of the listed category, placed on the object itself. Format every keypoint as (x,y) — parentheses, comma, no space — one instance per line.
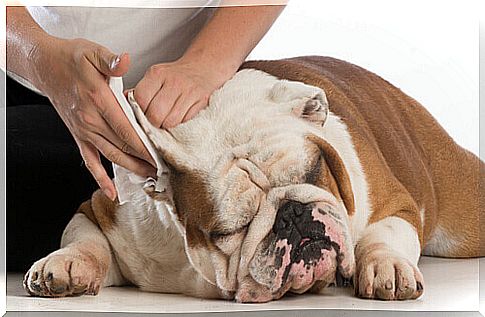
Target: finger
(194,110)
(116,156)
(147,88)
(161,105)
(96,124)
(117,120)
(112,137)
(178,111)
(108,63)
(91,158)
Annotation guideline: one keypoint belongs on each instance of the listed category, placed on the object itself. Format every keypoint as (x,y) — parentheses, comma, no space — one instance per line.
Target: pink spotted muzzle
(308,243)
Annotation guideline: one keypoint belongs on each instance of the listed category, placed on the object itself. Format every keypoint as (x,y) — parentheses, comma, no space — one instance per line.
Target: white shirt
(149,35)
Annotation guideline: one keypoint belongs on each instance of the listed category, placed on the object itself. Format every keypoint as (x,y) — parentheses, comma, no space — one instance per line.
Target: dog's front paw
(383,274)
(66,272)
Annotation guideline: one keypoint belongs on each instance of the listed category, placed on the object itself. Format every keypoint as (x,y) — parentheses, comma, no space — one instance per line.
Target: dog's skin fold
(300,170)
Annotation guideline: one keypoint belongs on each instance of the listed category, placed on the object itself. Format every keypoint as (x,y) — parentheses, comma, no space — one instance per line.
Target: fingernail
(114,63)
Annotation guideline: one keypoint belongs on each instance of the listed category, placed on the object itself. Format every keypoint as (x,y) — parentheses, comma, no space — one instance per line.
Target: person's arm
(23,39)
(72,74)
(171,93)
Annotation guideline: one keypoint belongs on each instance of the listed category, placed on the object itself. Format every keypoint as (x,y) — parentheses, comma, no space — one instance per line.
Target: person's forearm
(24,36)
(231,34)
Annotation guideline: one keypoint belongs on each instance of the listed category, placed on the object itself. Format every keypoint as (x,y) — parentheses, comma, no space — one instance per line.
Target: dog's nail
(388,285)
(368,290)
(419,286)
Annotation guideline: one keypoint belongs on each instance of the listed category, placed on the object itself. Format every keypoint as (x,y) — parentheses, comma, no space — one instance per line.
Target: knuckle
(123,133)
(125,148)
(145,153)
(141,98)
(113,156)
(179,82)
(97,56)
(90,166)
(153,70)
(167,124)
(205,100)
(169,121)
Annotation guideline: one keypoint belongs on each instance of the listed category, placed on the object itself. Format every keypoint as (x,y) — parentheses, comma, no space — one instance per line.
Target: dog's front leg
(387,255)
(82,265)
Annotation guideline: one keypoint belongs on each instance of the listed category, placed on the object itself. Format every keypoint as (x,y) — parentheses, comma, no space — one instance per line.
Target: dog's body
(377,175)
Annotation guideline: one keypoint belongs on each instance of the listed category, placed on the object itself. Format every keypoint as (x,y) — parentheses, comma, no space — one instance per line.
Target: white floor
(450,285)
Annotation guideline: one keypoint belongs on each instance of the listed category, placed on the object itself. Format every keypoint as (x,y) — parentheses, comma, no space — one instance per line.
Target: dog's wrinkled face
(284,232)
(269,213)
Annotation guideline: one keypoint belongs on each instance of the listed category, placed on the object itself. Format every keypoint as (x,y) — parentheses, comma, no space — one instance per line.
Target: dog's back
(443,179)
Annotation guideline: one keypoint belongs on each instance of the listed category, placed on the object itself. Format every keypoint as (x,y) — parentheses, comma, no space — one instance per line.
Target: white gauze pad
(124,179)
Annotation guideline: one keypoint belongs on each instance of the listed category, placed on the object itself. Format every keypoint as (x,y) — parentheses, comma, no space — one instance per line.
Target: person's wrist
(218,69)
(46,49)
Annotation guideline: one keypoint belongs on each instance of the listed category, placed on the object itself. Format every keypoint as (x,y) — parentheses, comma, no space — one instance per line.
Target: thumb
(109,64)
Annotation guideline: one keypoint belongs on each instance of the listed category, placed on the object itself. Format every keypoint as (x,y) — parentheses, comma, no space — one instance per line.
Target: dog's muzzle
(306,242)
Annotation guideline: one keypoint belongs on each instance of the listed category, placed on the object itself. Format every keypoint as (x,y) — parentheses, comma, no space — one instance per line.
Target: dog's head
(266,212)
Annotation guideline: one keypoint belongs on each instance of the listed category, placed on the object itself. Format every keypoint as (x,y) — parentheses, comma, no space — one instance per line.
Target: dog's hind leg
(83,265)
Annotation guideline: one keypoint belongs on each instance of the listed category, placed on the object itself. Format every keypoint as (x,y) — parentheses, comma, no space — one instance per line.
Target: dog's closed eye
(218,235)
(229,242)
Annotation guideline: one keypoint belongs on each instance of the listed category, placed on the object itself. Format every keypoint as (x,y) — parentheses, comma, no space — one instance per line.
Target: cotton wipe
(129,185)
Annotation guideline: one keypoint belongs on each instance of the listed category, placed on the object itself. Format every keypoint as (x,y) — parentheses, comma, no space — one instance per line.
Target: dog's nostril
(289,213)
(283,224)
(298,210)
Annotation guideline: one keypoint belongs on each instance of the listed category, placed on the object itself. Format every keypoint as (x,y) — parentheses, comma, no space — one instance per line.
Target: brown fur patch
(100,210)
(193,205)
(337,180)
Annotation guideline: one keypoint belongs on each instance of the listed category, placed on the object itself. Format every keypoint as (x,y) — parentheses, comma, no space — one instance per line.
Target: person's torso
(149,35)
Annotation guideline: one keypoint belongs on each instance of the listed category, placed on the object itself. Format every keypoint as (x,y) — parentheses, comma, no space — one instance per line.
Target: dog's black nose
(290,213)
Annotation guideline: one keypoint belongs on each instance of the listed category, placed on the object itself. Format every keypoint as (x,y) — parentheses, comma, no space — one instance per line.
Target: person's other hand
(172,93)
(74,75)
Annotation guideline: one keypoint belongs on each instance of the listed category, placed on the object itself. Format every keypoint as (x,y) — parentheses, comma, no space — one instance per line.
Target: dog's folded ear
(167,146)
(338,171)
(305,101)
(314,110)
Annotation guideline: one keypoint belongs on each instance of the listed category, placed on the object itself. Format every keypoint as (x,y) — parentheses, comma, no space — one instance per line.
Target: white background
(428,48)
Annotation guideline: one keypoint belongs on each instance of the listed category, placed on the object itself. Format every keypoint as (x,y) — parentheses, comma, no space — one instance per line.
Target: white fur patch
(441,243)
(423,216)
(398,234)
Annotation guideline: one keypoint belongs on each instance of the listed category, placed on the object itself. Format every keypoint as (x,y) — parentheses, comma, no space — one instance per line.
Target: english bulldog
(300,171)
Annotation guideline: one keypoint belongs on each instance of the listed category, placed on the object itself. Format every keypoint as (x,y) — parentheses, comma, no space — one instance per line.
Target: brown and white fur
(394,183)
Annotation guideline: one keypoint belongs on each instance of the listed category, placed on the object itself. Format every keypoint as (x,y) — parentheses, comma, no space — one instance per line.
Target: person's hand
(73,74)
(173,93)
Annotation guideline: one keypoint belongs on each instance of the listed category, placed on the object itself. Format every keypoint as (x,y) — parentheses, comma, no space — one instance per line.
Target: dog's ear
(168,148)
(305,101)
(338,171)
(314,110)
